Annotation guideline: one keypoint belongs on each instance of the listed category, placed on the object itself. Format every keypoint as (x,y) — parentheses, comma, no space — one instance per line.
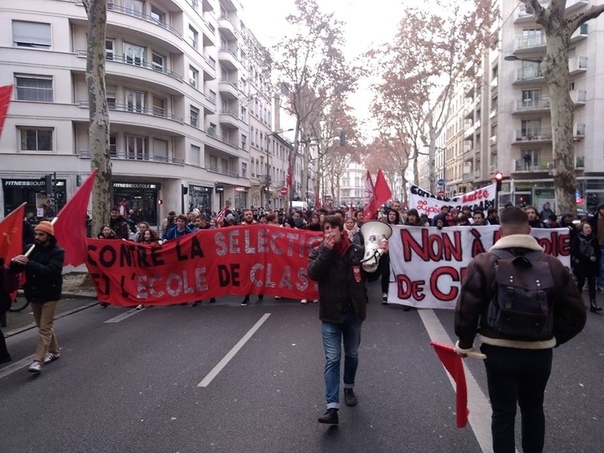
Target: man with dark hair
(43,271)
(179,230)
(517,366)
(478,217)
(119,224)
(533,218)
(413,218)
(337,266)
(492,216)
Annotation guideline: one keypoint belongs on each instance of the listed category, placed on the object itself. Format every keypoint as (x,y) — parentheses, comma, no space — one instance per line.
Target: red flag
(11,233)
(454,365)
(5,93)
(351,211)
(289,177)
(318,204)
(371,206)
(381,189)
(70,226)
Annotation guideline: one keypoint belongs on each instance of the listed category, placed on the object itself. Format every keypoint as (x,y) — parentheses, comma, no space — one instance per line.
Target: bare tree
(312,69)
(558,30)
(98,127)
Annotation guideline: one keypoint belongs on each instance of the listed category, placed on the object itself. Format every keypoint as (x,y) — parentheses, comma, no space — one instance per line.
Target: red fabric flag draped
(5,92)
(318,204)
(289,177)
(454,365)
(11,233)
(70,226)
(371,206)
(381,189)
(351,211)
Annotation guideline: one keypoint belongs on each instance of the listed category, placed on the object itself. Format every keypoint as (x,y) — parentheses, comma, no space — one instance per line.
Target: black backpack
(520,307)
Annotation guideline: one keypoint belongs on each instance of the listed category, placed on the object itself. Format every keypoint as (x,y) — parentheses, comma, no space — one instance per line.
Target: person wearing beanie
(44,280)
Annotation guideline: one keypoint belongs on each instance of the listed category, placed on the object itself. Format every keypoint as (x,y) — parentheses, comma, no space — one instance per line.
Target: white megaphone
(374,232)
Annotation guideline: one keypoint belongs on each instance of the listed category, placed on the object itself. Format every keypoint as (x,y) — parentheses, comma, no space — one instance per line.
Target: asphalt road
(128,381)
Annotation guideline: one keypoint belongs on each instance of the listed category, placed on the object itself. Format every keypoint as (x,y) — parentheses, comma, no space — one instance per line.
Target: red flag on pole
(318,204)
(11,233)
(70,226)
(370,208)
(289,177)
(381,189)
(5,93)
(454,365)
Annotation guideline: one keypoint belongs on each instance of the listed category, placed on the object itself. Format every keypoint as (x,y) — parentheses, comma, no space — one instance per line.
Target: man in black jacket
(337,266)
(43,271)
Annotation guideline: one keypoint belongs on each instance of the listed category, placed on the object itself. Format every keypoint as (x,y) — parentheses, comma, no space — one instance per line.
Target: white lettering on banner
(427,265)
(430,204)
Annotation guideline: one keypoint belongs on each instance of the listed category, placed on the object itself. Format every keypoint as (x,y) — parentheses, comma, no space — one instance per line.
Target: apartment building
(506,115)
(182,105)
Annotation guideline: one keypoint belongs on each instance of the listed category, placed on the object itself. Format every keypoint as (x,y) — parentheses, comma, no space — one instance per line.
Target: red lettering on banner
(434,283)
(477,246)
(556,244)
(475,196)
(422,206)
(434,247)
(407,289)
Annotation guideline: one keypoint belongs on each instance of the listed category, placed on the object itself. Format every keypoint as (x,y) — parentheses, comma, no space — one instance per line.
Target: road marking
(124,316)
(478,404)
(227,358)
(20,365)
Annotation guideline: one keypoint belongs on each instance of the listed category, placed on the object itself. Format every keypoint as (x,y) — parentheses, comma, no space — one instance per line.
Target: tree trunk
(98,127)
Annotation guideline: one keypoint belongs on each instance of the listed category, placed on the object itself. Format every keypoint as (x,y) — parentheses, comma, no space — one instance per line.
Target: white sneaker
(50,357)
(277,297)
(139,306)
(303,301)
(314,301)
(35,367)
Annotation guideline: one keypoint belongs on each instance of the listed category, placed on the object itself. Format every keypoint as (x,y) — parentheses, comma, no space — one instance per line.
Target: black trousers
(517,376)
(3,351)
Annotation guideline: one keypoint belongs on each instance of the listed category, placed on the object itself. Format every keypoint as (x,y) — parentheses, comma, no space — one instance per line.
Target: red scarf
(341,247)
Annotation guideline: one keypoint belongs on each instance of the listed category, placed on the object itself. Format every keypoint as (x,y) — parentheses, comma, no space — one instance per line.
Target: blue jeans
(517,376)
(601,277)
(333,334)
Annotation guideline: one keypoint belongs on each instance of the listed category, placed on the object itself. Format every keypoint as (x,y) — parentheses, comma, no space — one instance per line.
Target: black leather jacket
(43,272)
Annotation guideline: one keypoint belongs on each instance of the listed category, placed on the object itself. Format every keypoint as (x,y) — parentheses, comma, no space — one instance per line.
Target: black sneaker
(104,304)
(245,302)
(212,300)
(330,417)
(196,303)
(350,398)
(260,296)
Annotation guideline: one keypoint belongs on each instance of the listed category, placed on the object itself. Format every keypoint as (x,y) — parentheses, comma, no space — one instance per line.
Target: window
(194,112)
(252,135)
(193,37)
(136,148)
(243,170)
(135,7)
(212,97)
(157,15)
(36,139)
(110,49)
(160,150)
(244,114)
(158,61)
(195,158)
(243,141)
(212,129)
(111,96)
(135,101)
(252,167)
(33,88)
(193,77)
(31,34)
(134,54)
(113,145)
(159,106)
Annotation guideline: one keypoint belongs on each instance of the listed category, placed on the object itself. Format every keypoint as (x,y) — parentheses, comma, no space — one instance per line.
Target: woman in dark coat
(585,255)
(393,218)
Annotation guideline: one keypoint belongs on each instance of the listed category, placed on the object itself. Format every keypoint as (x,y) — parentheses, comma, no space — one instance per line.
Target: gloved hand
(463,352)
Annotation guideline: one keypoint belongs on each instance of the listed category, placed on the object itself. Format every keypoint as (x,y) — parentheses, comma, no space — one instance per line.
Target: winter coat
(341,282)
(477,290)
(585,255)
(43,272)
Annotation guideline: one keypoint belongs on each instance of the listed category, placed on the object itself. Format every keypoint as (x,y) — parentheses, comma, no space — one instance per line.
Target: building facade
(186,106)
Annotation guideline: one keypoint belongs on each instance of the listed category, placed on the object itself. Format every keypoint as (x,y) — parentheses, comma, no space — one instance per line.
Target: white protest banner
(427,203)
(427,264)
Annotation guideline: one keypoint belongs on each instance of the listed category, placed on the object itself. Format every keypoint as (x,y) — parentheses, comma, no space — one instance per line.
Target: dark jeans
(517,376)
(591,285)
(384,270)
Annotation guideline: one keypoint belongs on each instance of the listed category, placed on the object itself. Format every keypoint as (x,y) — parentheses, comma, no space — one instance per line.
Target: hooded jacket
(478,289)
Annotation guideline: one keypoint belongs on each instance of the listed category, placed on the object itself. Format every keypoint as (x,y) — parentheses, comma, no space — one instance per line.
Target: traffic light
(342,138)
(498,179)
(48,184)
(185,190)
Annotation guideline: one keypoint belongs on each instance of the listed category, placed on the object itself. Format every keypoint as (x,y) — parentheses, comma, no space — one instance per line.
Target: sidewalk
(70,303)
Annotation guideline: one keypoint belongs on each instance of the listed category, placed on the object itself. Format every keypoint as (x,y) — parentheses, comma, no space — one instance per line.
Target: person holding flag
(43,267)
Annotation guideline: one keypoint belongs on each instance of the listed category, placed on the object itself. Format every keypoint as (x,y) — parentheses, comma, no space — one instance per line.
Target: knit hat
(45,227)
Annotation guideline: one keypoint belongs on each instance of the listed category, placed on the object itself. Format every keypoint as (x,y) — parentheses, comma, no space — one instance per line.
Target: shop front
(200,197)
(40,204)
(141,198)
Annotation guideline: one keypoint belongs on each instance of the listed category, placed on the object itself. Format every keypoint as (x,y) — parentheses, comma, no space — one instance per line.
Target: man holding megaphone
(338,266)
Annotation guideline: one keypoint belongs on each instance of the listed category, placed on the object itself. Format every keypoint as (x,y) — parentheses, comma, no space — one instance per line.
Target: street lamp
(515,58)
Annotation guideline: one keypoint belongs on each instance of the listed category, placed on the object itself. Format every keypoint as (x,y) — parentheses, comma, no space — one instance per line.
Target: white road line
(227,358)
(13,367)
(124,316)
(478,404)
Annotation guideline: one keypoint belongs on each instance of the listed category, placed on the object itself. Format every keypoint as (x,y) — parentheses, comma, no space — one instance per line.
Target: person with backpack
(521,303)
(586,256)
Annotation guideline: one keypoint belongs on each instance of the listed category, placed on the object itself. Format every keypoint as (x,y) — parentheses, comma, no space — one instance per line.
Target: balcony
(529,74)
(228,58)
(227,28)
(157,113)
(228,89)
(579,131)
(230,120)
(543,135)
(530,43)
(577,65)
(580,34)
(123,59)
(138,156)
(493,140)
(222,171)
(522,166)
(531,105)
(211,133)
(579,97)
(580,162)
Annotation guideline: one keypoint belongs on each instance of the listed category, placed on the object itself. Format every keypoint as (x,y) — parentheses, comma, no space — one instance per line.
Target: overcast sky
(366,24)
